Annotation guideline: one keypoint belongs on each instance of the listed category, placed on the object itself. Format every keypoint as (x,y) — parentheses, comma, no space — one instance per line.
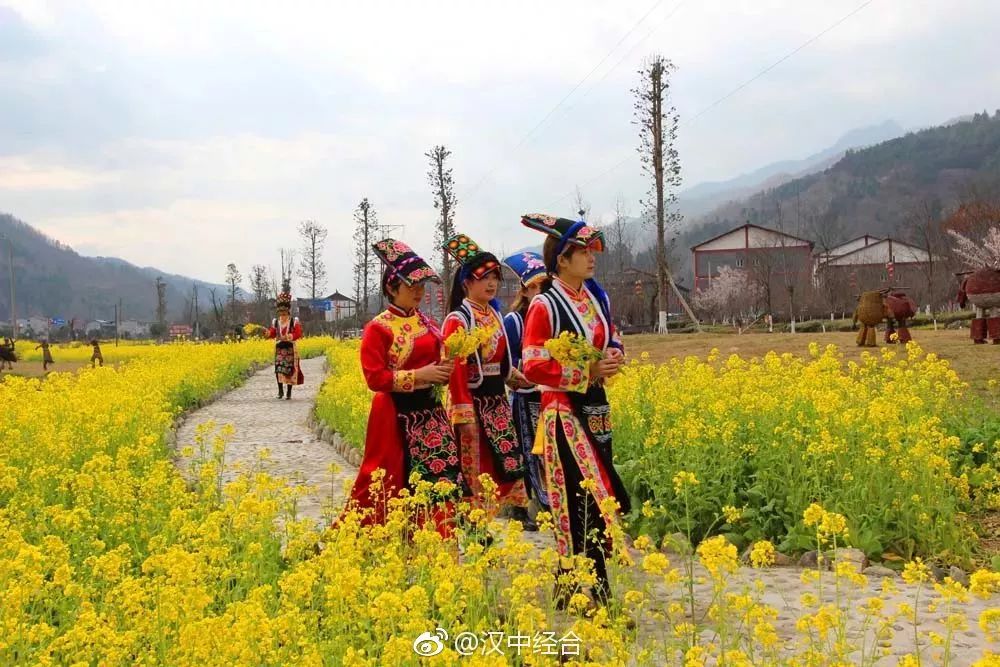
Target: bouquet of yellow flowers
(253,330)
(571,349)
(461,344)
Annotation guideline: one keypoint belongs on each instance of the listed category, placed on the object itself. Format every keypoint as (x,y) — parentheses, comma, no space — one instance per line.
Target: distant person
(7,354)
(96,356)
(46,354)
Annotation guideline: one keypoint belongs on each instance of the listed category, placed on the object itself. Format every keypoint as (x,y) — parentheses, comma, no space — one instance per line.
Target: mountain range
(871,181)
(53,280)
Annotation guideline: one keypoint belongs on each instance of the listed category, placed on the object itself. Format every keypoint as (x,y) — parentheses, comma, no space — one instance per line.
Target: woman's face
(484,289)
(578,266)
(408,297)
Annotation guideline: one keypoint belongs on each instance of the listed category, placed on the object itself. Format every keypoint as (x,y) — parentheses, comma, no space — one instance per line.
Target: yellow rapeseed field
(109,556)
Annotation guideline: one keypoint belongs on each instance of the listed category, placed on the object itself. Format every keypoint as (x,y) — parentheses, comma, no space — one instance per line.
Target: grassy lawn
(976,364)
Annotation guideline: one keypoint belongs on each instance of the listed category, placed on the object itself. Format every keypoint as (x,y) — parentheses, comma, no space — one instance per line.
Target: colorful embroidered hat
(403,263)
(284,300)
(577,232)
(527,265)
(475,261)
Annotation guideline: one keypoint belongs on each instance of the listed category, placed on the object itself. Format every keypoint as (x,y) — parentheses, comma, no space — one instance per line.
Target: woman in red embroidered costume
(285,330)
(574,432)
(479,408)
(408,429)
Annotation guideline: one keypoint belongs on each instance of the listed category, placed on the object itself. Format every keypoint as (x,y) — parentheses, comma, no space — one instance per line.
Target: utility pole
(10,264)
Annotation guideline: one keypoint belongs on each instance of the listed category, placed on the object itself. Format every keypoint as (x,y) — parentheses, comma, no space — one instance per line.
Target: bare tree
(661,162)
(582,205)
(233,280)
(260,285)
(442,184)
(312,268)
(287,264)
(365,263)
(218,311)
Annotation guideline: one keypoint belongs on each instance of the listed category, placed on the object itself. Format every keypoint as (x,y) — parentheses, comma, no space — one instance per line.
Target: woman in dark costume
(408,429)
(480,411)
(526,399)
(285,330)
(574,434)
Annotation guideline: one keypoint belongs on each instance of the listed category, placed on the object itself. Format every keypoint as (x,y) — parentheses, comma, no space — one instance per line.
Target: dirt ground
(33,369)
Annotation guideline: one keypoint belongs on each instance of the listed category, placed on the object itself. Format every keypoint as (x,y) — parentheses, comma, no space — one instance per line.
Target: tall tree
(443,186)
(312,268)
(365,263)
(661,162)
(287,265)
(260,285)
(161,304)
(233,280)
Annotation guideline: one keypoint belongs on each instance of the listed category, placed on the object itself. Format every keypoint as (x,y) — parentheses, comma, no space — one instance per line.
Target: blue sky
(186,135)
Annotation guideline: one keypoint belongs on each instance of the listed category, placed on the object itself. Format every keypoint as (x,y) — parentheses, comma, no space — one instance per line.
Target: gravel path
(260,421)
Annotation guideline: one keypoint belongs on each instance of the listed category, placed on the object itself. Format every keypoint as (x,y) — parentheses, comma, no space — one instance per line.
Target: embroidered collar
(401,312)
(475,307)
(576,294)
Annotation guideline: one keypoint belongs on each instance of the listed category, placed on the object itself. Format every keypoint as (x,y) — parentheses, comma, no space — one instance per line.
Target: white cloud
(189,134)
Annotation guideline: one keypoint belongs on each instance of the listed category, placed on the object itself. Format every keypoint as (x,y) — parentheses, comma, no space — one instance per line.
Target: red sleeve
(539,366)
(272,332)
(297,330)
(375,362)
(458,385)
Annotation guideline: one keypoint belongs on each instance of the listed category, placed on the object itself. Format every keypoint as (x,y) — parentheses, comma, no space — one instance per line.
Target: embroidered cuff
(535,352)
(462,413)
(574,379)
(403,381)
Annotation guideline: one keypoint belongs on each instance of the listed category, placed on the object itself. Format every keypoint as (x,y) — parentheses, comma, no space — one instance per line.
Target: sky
(187,135)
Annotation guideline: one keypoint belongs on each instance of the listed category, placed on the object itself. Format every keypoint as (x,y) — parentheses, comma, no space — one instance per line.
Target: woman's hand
(606,367)
(434,373)
(517,380)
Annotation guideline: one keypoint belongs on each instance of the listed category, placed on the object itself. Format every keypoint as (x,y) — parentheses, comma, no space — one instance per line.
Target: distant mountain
(704,197)
(874,190)
(53,280)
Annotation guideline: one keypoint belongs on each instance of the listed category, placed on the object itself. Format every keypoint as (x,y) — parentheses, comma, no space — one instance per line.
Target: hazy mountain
(53,280)
(703,197)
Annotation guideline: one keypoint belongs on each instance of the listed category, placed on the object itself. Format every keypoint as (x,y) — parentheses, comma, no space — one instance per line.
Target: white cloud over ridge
(188,135)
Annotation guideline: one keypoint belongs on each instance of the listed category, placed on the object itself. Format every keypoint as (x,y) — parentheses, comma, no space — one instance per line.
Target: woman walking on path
(408,429)
(574,434)
(480,412)
(46,354)
(526,399)
(286,330)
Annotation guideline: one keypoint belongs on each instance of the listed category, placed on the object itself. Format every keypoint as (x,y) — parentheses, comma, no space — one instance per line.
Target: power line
(732,92)
(560,103)
(649,34)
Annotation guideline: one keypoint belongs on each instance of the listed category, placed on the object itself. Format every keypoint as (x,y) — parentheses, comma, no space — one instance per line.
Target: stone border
(323,432)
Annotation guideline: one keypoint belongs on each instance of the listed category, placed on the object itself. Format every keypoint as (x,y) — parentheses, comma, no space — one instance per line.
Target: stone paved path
(260,420)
